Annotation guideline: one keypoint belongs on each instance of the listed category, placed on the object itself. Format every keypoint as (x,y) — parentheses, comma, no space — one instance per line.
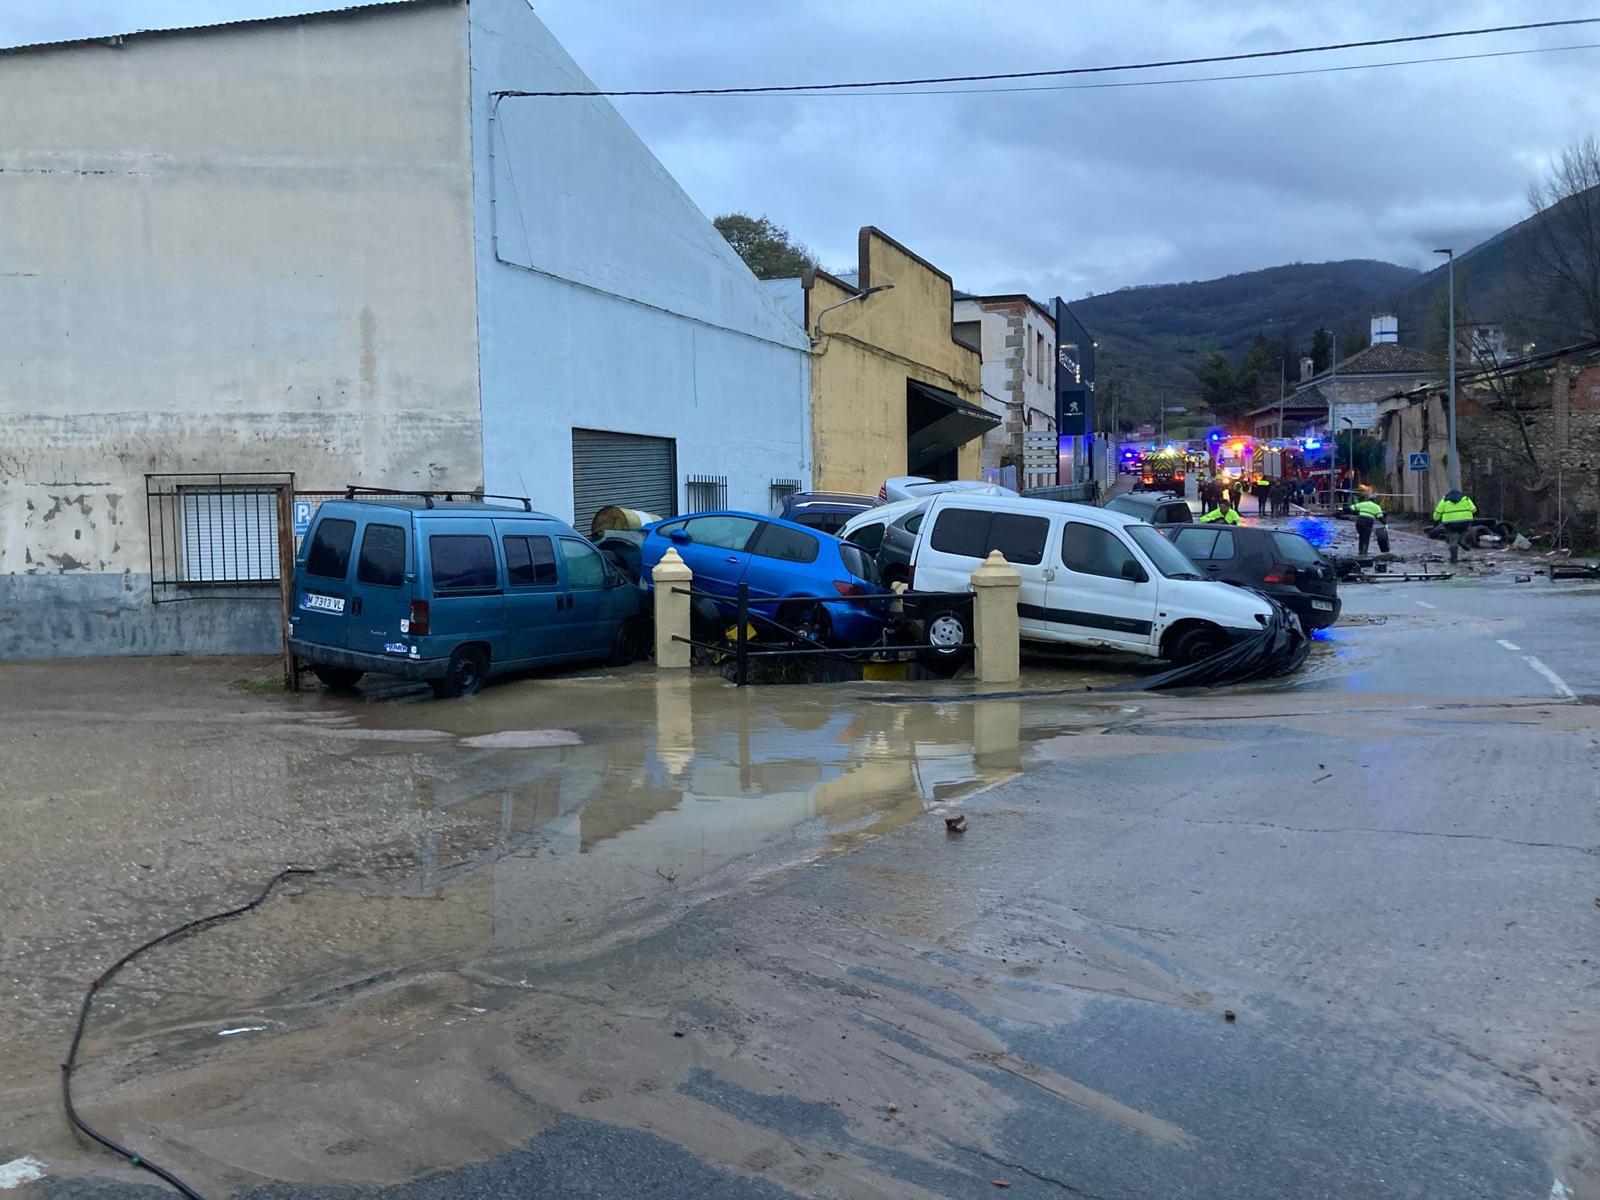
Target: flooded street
(604,930)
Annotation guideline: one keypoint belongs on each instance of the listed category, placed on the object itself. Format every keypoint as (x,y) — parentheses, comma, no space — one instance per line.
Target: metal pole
(1455,466)
(1333,428)
(1280,397)
(741,656)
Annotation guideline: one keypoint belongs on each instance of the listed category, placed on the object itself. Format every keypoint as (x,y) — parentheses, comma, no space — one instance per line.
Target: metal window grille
(706,493)
(215,534)
(780,491)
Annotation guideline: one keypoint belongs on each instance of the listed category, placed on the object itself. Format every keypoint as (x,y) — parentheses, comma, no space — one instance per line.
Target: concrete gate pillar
(995,633)
(671,577)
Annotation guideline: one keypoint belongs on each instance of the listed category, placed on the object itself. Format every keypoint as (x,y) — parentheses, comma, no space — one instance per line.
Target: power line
(1063,71)
(1134,83)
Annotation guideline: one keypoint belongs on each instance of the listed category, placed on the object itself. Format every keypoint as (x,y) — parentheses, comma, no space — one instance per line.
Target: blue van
(452,591)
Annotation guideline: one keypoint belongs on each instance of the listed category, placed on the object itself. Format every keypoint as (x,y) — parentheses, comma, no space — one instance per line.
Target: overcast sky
(1065,191)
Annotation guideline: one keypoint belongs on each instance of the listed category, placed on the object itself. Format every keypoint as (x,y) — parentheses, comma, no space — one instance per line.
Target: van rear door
(322,600)
(381,596)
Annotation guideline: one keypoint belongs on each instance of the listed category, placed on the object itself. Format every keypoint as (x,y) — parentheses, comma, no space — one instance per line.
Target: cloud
(1067,191)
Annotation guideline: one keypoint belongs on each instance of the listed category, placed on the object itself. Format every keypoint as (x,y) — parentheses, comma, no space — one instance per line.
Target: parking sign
(1418,462)
(302,517)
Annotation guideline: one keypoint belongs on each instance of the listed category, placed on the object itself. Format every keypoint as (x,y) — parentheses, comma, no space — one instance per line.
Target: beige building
(892,390)
(1016,335)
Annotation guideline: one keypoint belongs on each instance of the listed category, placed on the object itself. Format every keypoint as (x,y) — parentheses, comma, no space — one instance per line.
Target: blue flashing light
(1313,444)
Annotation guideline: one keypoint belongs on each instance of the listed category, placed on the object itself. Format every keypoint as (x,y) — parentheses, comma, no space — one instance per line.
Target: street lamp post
(1455,466)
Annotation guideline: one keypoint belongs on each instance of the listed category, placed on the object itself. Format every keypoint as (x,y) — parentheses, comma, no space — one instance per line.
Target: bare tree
(1563,250)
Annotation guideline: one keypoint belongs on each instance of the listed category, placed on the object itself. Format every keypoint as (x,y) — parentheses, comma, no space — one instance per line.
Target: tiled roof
(1387,358)
(1307,400)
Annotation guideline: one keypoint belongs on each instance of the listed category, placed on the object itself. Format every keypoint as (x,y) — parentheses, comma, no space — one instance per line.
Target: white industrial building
(323,250)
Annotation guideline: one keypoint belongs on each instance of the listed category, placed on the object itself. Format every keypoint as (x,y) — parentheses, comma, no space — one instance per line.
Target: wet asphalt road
(1385,869)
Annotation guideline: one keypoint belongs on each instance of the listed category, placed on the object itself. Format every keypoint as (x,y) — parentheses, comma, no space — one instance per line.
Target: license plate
(1323,605)
(333,604)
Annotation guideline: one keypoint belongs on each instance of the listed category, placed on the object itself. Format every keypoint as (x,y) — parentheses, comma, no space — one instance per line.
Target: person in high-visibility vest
(1369,516)
(1224,511)
(1455,512)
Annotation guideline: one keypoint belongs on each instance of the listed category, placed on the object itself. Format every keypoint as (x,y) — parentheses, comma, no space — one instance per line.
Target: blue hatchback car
(453,592)
(787,568)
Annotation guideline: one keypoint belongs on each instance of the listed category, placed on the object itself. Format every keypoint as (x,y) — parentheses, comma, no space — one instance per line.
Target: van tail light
(883,490)
(1278,573)
(419,618)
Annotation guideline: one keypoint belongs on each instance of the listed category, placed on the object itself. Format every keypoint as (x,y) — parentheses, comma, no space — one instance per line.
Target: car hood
(1228,604)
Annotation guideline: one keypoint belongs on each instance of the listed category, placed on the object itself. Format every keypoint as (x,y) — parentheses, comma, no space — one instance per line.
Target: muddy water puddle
(541,818)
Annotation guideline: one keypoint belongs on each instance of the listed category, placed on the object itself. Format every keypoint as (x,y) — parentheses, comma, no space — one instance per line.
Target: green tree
(1321,350)
(767,249)
(1219,391)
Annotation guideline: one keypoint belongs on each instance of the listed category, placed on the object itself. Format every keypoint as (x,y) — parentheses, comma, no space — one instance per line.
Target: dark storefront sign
(1074,374)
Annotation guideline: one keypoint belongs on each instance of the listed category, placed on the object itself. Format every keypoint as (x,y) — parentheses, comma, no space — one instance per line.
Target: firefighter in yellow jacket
(1224,512)
(1455,512)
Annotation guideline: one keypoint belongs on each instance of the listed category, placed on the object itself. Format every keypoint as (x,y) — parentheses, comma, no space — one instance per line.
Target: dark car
(622,548)
(827,511)
(1152,508)
(1282,566)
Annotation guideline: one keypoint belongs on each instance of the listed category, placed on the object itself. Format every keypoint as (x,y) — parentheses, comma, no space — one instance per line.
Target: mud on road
(730,925)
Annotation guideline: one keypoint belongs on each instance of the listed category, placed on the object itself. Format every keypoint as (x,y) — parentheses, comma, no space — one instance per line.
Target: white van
(1090,577)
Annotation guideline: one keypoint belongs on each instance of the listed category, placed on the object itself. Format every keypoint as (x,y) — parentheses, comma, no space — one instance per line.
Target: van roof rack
(351,491)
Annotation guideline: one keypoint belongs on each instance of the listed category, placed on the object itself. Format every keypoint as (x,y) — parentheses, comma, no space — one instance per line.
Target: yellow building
(892,391)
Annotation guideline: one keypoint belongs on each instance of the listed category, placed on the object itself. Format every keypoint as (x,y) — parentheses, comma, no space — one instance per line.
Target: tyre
(337,679)
(464,675)
(1197,644)
(946,628)
(628,645)
(809,619)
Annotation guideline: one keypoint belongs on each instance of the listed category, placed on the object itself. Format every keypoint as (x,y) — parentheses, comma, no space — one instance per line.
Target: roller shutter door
(626,469)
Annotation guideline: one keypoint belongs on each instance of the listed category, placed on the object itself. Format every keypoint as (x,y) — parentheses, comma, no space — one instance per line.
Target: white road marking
(1423,604)
(1509,645)
(241,1029)
(1556,681)
(20,1171)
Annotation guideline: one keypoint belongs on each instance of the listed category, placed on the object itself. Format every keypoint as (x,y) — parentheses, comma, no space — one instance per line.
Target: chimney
(1306,369)
(1385,328)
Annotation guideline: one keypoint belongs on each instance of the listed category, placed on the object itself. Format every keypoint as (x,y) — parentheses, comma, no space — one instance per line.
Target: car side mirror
(1133,572)
(679,537)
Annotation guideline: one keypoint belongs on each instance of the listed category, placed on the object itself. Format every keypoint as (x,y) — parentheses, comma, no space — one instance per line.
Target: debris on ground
(1227,1014)
(1281,647)
(956,823)
(1574,571)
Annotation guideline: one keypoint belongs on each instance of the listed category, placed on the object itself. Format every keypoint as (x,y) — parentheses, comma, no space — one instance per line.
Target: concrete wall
(245,248)
(1018,345)
(869,349)
(606,299)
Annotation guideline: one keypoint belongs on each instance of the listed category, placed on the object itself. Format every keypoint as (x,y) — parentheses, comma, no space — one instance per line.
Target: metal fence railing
(706,493)
(747,616)
(217,534)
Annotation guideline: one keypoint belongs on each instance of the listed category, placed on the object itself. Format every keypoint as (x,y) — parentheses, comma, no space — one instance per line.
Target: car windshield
(1168,559)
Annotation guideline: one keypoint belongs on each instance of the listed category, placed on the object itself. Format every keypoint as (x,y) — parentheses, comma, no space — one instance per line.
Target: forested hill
(1157,333)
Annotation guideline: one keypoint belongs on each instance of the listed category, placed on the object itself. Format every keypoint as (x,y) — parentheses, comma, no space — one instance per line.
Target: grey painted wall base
(81,614)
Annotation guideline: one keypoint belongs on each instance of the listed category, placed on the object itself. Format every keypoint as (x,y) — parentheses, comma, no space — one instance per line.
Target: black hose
(104,978)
